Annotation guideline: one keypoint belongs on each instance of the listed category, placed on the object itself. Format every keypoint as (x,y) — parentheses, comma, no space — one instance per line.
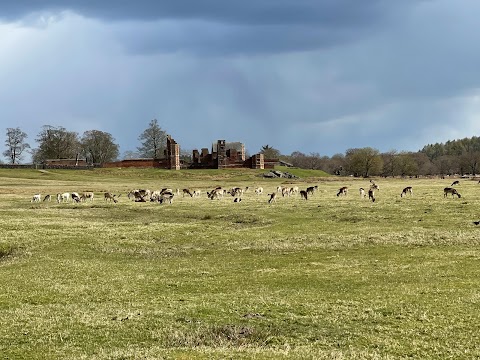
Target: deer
(187,192)
(303,194)
(273,197)
(215,194)
(407,190)
(87,195)
(450,190)
(371,194)
(342,191)
(259,190)
(362,193)
(75,197)
(108,196)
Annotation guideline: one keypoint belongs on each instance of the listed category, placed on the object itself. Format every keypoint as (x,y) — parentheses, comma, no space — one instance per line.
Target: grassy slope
(327,278)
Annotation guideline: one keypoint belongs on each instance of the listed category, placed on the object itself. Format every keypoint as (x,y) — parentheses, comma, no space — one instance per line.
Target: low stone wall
(18,166)
(45,167)
(137,163)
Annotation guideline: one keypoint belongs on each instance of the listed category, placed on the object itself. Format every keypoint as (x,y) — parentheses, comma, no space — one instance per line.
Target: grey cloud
(215,39)
(332,12)
(361,82)
(227,27)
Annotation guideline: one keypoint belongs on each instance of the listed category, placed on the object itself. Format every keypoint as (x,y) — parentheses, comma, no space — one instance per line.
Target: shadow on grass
(221,336)
(6,250)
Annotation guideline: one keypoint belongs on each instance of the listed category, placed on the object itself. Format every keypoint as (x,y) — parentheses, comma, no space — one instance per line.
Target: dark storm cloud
(328,12)
(225,27)
(315,76)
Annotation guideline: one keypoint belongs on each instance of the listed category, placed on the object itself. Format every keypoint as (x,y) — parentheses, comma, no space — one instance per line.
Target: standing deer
(362,193)
(273,197)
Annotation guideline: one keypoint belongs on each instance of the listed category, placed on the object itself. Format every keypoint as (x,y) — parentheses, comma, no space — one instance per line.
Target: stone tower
(173,154)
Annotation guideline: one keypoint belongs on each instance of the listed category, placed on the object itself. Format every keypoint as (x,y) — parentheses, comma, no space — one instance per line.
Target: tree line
(97,147)
(453,157)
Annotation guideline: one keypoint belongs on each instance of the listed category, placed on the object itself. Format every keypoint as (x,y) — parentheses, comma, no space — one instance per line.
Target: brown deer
(111,197)
(449,190)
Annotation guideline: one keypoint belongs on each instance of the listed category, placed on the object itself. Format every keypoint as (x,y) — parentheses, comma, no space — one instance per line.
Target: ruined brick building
(226,155)
(170,160)
(223,155)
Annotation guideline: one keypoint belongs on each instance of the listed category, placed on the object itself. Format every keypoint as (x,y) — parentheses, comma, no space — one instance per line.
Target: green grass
(331,277)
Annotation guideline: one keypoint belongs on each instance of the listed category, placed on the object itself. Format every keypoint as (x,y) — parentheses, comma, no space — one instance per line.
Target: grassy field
(328,278)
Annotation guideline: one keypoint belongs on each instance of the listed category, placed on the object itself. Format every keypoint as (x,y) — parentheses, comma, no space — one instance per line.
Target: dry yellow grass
(331,277)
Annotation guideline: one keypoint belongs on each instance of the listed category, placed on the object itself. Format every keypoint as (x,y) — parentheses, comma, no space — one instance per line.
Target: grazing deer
(75,197)
(111,197)
(139,193)
(197,193)
(273,197)
(342,191)
(87,195)
(65,197)
(188,192)
(286,191)
(235,192)
(449,190)
(407,190)
(259,190)
(456,182)
(215,194)
(166,196)
(303,194)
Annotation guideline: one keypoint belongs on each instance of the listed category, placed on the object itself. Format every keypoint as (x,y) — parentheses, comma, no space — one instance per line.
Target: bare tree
(56,143)
(390,163)
(364,161)
(15,144)
(153,140)
(98,146)
(130,154)
(270,152)
(407,166)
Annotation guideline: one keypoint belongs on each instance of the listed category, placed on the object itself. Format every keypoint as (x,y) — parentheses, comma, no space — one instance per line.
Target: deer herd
(166,195)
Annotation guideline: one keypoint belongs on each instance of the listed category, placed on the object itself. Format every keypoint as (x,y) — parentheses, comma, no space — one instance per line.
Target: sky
(315,76)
